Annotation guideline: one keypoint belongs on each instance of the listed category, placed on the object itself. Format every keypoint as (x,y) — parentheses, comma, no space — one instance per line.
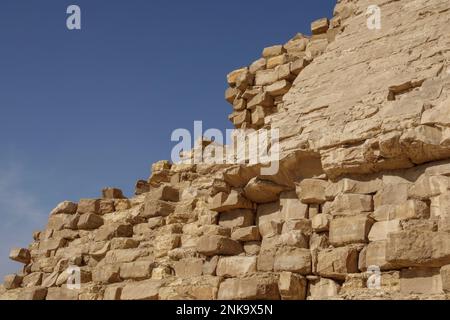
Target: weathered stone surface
(350,230)
(64,294)
(256,287)
(445,278)
(273,51)
(66,207)
(381,230)
(418,248)
(323,289)
(88,206)
(336,263)
(138,270)
(12,281)
(421,281)
(218,245)
(364,134)
(144,290)
(20,255)
(292,259)
(157,208)
(246,234)
(222,202)
(238,218)
(312,191)
(112,193)
(291,207)
(351,204)
(189,267)
(320,26)
(89,221)
(234,267)
(292,286)
(321,222)
(262,191)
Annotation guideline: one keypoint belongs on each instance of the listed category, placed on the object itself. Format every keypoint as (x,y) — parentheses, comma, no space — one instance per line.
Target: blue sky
(81,110)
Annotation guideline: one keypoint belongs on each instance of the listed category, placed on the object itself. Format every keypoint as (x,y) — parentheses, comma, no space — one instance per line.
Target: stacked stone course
(363,187)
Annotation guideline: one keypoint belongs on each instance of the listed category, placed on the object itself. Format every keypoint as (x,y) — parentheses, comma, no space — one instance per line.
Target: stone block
(256,287)
(293,259)
(337,263)
(348,230)
(234,267)
(292,286)
(312,191)
(218,245)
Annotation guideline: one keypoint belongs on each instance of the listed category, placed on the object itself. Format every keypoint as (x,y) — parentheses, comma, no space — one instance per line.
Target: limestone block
(63,294)
(266,77)
(414,248)
(88,206)
(273,51)
(21,255)
(381,230)
(259,64)
(112,193)
(246,234)
(261,99)
(12,281)
(292,286)
(262,191)
(66,207)
(321,223)
(89,221)
(351,204)
(232,76)
(279,88)
(427,187)
(234,200)
(374,255)
(323,289)
(108,273)
(320,26)
(293,259)
(157,208)
(106,206)
(350,230)
(236,266)
(291,207)
(166,242)
(143,290)
(445,278)
(421,281)
(189,267)
(238,218)
(392,194)
(218,245)
(138,270)
(275,61)
(257,287)
(337,263)
(440,206)
(312,191)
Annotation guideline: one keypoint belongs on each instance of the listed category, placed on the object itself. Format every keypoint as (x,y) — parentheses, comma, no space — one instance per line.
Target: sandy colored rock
(256,287)
(218,245)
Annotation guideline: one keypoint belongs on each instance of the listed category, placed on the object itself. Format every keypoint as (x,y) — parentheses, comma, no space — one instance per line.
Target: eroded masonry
(363,185)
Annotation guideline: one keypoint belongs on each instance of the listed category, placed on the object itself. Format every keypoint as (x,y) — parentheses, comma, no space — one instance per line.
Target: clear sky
(82,110)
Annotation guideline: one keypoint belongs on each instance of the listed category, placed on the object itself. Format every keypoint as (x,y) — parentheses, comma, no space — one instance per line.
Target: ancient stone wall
(359,209)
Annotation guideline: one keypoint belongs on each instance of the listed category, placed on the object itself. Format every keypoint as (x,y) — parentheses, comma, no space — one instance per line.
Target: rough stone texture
(363,182)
